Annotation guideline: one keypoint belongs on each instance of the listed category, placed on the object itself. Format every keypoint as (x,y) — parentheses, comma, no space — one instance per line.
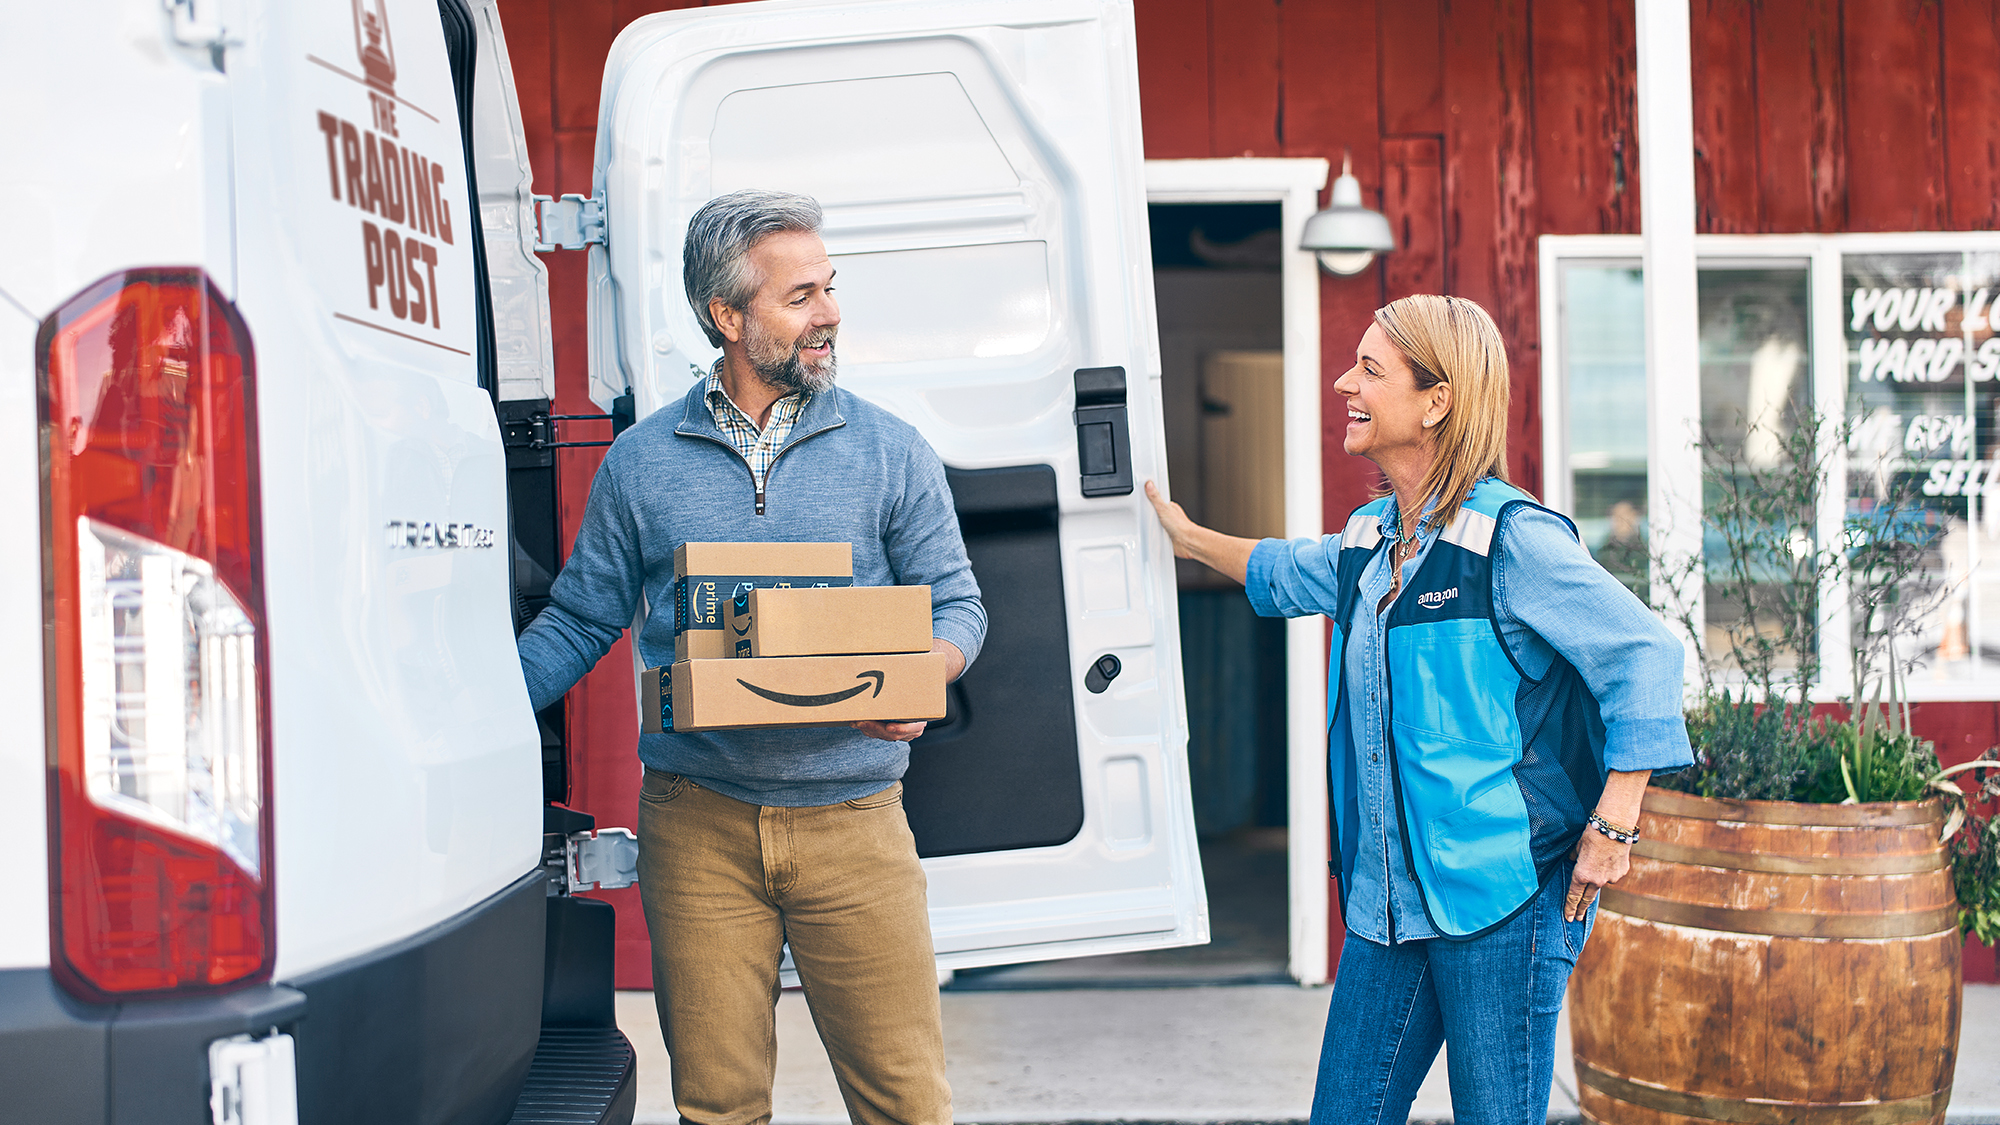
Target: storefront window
(1755,394)
(1920,400)
(1604,320)
(1910,328)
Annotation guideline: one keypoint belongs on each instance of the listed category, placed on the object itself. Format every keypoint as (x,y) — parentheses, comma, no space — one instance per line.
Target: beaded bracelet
(1606,828)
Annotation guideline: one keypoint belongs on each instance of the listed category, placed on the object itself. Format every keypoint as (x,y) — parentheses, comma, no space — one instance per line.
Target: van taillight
(160,795)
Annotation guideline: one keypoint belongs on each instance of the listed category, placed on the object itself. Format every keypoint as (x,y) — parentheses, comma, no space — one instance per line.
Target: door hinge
(526,424)
(606,860)
(201,23)
(569,222)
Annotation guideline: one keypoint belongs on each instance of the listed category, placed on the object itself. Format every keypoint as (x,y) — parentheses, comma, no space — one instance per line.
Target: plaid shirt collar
(758,447)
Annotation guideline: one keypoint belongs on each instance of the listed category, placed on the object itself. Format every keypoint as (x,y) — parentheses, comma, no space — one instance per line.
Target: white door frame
(1295,185)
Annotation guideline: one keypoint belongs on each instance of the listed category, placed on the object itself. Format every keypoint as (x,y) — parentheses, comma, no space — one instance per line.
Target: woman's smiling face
(1385,410)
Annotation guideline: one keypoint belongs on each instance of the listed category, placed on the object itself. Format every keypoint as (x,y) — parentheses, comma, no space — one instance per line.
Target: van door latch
(606,859)
(569,222)
(1103,433)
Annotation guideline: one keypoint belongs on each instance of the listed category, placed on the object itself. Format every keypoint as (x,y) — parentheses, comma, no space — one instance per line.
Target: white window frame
(1294,183)
(1828,350)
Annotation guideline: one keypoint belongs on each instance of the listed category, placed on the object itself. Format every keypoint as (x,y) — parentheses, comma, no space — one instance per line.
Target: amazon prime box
(792,691)
(707,576)
(830,621)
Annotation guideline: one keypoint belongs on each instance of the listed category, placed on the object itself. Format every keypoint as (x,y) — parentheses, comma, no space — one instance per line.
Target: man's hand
(890,732)
(954,665)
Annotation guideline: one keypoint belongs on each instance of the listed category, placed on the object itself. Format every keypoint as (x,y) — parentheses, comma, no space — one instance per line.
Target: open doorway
(1218,285)
(1219,294)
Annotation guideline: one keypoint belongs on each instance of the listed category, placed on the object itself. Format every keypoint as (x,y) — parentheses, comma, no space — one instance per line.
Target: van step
(580,1076)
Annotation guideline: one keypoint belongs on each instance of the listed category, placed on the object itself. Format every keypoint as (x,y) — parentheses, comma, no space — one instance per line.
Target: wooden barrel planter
(1772,962)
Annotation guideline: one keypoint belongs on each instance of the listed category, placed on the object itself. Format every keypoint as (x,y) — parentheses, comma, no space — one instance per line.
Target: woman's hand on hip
(1600,862)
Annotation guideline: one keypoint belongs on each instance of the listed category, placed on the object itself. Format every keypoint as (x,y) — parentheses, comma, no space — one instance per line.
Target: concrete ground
(1232,1054)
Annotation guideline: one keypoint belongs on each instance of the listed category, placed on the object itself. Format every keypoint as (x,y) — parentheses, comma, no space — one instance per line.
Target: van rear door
(980,166)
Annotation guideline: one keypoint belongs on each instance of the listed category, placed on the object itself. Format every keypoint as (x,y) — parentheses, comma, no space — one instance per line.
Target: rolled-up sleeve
(1546,583)
(1294,577)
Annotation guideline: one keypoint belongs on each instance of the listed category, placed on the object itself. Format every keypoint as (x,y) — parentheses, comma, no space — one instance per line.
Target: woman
(1497,707)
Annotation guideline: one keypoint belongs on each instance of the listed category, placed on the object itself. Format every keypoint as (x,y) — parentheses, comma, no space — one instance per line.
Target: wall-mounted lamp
(1347,235)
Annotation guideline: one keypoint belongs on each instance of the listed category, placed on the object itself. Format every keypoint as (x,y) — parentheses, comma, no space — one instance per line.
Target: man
(751,839)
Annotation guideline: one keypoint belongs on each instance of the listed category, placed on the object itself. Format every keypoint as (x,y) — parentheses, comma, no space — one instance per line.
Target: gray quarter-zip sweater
(850,472)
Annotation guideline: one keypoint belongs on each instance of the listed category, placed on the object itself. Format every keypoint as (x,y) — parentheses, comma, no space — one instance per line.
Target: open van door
(980,166)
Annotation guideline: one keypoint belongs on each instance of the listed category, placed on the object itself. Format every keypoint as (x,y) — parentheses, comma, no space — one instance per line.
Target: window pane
(1604,381)
(906,306)
(1756,390)
(1921,418)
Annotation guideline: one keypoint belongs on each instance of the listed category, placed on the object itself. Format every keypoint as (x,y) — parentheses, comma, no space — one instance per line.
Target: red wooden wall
(1477,126)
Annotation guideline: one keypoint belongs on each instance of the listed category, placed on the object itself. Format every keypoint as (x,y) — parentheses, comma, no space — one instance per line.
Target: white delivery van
(275,390)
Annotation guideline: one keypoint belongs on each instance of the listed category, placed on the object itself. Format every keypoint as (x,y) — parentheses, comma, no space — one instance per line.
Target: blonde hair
(1452,340)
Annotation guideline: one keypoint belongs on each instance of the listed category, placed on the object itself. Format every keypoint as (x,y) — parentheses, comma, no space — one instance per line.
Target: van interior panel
(1000,771)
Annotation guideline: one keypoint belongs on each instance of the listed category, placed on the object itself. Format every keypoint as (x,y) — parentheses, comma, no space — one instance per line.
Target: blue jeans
(1495,999)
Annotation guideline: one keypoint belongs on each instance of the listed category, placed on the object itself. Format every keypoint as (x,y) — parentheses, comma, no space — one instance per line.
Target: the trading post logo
(375,171)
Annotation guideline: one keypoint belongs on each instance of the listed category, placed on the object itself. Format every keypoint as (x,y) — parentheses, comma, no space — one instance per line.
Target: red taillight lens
(160,796)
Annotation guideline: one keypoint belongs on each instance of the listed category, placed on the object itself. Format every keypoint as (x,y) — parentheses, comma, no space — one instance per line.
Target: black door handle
(1103,435)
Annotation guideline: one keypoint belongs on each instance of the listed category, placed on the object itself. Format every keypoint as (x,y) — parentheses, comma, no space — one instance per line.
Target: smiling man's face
(788,331)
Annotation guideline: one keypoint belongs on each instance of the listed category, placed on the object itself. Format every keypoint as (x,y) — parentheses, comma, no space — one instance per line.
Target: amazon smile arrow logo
(828,699)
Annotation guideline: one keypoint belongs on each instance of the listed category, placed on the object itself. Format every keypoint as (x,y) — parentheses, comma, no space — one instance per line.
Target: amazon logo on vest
(1434,599)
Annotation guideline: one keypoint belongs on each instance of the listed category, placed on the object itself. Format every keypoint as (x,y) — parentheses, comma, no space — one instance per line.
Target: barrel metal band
(1779,923)
(1761,1111)
(1667,802)
(1906,864)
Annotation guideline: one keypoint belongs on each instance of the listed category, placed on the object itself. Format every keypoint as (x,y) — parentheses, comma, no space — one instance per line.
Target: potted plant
(1787,944)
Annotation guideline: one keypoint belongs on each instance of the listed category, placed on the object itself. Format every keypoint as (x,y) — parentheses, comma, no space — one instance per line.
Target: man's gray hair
(714,262)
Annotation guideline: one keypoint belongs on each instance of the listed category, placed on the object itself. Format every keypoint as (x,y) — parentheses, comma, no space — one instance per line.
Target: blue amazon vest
(1494,772)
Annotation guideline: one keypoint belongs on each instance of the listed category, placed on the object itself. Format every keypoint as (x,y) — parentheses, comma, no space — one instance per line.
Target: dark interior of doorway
(1217,285)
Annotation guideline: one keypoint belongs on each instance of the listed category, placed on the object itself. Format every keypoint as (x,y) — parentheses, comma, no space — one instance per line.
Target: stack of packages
(778,635)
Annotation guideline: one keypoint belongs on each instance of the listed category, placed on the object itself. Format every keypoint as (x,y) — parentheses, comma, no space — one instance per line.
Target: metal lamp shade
(1347,235)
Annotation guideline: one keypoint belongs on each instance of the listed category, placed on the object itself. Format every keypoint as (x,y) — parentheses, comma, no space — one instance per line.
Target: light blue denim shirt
(1550,597)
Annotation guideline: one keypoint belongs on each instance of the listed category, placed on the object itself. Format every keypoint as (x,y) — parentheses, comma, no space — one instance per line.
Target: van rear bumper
(439,1027)
(62,1061)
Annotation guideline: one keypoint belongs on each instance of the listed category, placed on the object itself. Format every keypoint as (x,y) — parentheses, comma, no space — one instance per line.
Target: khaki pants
(726,885)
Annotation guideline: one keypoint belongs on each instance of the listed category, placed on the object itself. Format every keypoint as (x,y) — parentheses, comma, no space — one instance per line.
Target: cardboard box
(791,691)
(707,576)
(830,621)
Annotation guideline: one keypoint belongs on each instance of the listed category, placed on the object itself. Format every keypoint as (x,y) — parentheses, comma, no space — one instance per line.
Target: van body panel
(437,1027)
(117,140)
(406,762)
(24,807)
(980,170)
(442,1025)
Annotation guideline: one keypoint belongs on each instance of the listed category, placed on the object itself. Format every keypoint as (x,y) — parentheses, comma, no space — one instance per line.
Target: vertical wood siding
(1801,133)
(1477,126)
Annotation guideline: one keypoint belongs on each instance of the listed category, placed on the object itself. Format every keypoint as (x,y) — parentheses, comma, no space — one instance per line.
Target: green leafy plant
(1767,568)
(1744,750)
(1975,872)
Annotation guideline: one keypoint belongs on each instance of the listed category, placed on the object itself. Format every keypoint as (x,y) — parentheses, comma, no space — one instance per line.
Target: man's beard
(784,367)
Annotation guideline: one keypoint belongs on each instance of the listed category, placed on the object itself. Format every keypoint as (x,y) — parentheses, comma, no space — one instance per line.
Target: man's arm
(592,600)
(924,547)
